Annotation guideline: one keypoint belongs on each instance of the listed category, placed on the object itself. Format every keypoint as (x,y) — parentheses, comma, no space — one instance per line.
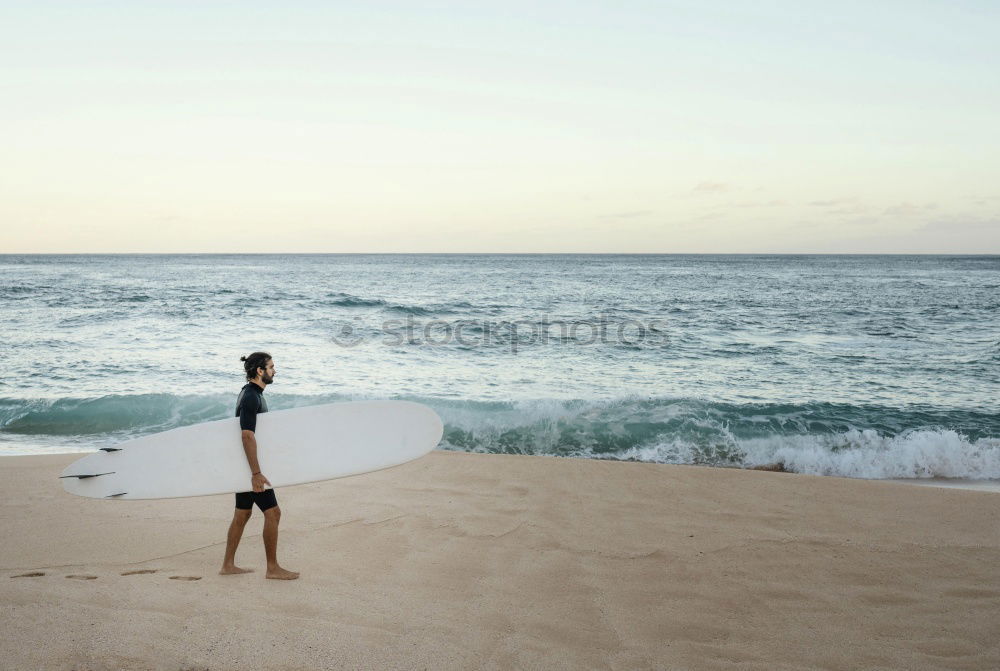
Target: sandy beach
(464,561)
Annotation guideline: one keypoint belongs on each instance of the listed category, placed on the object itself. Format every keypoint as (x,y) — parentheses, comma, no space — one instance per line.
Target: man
(260,372)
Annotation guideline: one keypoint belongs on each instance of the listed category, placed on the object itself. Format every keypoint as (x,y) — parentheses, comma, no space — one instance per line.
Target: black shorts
(264,500)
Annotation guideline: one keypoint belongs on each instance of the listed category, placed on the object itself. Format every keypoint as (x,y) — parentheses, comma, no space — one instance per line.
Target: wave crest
(814,438)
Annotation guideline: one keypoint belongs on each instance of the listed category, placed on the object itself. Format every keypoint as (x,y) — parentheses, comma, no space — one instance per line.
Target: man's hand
(258,481)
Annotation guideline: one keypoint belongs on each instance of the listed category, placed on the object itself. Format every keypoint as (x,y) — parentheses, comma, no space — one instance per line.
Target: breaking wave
(815,438)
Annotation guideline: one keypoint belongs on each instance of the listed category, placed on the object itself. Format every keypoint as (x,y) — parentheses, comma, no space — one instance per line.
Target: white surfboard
(294,446)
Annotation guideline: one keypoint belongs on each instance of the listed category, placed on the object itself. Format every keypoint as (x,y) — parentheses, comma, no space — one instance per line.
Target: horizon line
(499,253)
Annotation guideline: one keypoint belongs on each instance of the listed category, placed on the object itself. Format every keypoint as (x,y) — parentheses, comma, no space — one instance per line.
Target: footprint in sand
(82,577)
(33,574)
(141,571)
(185,577)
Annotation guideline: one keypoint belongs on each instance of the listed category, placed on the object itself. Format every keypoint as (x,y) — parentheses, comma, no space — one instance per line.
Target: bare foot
(278,573)
(233,570)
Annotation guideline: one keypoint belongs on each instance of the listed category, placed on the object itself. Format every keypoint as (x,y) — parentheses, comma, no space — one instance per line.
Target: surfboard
(294,446)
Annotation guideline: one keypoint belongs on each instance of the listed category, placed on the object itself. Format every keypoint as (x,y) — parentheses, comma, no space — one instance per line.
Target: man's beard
(267,379)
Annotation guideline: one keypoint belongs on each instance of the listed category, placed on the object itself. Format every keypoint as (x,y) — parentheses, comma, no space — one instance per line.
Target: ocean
(859,366)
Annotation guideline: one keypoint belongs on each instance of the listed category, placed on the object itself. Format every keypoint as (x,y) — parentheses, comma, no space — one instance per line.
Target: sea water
(860,366)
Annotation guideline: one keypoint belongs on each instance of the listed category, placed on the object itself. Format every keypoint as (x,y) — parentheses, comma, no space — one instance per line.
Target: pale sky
(541,126)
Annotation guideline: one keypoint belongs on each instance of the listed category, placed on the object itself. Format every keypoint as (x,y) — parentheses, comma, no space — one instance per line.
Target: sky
(535,127)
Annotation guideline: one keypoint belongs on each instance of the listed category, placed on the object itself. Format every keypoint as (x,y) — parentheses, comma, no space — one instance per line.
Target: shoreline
(981,485)
(462,560)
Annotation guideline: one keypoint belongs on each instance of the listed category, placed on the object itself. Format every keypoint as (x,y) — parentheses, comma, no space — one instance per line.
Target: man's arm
(248,424)
(250,449)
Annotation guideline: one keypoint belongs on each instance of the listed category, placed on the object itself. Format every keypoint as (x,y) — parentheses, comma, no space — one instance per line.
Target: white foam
(670,452)
(959,483)
(868,454)
(936,456)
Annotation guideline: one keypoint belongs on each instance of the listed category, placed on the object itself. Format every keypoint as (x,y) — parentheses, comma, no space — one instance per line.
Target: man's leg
(271,518)
(229,566)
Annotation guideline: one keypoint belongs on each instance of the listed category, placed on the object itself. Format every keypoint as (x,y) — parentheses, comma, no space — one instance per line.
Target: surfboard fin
(111,449)
(86,475)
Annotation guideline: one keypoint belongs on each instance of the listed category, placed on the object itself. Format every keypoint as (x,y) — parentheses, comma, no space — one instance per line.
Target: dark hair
(253,362)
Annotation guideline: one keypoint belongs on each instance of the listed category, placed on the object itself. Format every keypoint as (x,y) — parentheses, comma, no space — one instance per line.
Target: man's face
(267,376)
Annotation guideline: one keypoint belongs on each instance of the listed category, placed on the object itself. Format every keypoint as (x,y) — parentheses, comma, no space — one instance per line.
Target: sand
(462,561)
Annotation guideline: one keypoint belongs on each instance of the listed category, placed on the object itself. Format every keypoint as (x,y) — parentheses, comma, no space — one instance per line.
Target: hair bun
(243,358)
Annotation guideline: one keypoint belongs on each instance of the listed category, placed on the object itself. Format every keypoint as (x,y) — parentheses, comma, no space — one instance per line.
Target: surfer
(260,372)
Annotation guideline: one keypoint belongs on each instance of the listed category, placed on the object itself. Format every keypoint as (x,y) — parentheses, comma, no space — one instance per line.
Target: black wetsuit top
(250,403)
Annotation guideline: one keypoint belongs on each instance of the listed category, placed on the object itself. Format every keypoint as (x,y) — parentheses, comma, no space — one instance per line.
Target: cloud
(841,206)
(963,224)
(909,209)
(835,202)
(627,215)
(712,187)
(711,216)
(759,203)
(849,210)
